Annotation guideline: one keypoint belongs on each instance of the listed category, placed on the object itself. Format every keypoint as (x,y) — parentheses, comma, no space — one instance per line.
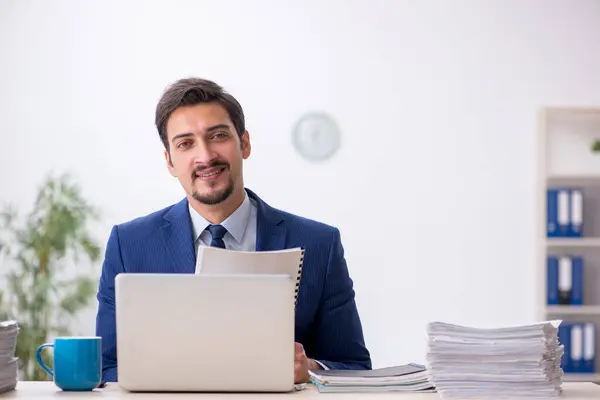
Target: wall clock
(316,136)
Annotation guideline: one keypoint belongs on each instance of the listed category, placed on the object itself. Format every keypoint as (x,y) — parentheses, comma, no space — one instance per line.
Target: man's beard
(214,197)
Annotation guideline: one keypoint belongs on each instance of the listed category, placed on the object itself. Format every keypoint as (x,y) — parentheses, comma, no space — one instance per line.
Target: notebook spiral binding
(298,276)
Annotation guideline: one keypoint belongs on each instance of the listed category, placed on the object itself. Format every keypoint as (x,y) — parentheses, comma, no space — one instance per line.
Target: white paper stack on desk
(9,331)
(510,362)
(402,378)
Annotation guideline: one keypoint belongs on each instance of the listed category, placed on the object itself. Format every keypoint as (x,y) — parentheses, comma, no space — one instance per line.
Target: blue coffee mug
(77,362)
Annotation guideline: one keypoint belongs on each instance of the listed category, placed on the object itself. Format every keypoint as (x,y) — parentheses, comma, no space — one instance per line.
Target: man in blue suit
(203,131)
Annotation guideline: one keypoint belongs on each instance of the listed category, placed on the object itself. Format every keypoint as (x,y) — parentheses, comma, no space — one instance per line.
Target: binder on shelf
(576,348)
(557,211)
(577,281)
(552,281)
(565,280)
(576,213)
(589,348)
(564,337)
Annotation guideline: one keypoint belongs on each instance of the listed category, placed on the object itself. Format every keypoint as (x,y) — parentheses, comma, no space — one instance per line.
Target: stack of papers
(402,378)
(9,330)
(509,362)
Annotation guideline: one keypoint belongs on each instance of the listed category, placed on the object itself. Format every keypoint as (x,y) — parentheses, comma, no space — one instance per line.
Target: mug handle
(38,356)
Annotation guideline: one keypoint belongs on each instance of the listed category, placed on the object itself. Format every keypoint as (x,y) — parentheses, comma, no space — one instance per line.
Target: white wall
(434,188)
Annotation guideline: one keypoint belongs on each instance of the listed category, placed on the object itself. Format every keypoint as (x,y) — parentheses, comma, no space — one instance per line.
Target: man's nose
(203,154)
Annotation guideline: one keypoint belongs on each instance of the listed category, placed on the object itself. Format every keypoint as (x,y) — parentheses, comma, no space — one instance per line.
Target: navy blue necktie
(217,232)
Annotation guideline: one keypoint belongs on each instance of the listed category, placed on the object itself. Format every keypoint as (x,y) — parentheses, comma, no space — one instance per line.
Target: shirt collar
(235,223)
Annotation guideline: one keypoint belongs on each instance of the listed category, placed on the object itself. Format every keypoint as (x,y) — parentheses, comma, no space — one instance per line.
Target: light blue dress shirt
(240,225)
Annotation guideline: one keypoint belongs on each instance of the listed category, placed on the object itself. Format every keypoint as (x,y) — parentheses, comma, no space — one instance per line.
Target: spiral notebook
(410,377)
(214,260)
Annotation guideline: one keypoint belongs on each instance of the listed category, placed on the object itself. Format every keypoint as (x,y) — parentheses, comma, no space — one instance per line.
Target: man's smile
(210,173)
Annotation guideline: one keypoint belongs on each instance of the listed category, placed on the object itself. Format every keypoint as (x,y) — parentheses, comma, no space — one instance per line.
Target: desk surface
(47,390)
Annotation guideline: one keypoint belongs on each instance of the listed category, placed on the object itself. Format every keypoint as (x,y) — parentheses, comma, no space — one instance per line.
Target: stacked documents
(510,362)
(9,330)
(402,378)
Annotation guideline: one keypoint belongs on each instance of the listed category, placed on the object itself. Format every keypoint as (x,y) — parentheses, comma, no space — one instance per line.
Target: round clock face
(316,136)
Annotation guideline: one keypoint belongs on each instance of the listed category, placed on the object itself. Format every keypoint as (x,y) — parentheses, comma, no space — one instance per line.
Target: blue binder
(575,213)
(589,348)
(552,213)
(552,280)
(577,280)
(564,337)
(576,353)
(565,279)
(558,213)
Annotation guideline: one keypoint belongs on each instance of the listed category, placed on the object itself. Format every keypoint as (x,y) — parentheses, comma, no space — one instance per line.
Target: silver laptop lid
(184,332)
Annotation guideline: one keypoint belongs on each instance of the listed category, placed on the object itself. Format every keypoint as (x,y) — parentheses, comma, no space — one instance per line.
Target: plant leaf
(78,296)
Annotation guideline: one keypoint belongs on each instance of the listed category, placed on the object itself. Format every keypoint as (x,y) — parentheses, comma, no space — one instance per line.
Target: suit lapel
(177,233)
(178,238)
(270,233)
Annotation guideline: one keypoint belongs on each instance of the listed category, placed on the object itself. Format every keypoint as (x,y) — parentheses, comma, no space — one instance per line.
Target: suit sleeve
(339,336)
(105,319)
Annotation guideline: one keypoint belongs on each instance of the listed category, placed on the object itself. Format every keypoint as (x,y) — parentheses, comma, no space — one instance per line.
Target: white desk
(47,390)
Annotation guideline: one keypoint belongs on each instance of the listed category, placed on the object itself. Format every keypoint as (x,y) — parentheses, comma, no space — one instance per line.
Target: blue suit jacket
(327,322)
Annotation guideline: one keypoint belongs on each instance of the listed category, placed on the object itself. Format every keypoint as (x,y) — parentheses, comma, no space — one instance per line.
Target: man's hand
(302,364)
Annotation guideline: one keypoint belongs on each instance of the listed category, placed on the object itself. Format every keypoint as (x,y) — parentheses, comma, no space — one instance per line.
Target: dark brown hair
(191,91)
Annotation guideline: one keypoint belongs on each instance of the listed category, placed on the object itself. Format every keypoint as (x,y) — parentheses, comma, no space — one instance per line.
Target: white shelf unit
(582,378)
(566,160)
(590,242)
(572,310)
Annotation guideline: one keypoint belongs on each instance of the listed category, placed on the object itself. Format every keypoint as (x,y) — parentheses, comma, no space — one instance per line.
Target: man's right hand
(301,363)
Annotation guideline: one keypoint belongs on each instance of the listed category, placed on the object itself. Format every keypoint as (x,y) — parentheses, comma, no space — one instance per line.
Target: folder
(557,209)
(564,337)
(552,213)
(576,213)
(589,348)
(214,260)
(576,281)
(577,348)
(565,280)
(410,377)
(552,281)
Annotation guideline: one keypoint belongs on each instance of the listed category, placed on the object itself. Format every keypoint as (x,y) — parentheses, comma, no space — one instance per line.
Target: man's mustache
(213,164)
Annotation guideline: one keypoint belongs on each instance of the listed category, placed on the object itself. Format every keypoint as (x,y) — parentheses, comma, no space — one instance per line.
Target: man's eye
(184,144)
(220,135)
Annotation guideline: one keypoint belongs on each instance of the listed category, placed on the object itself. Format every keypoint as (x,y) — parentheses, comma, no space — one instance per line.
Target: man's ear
(169,163)
(246,147)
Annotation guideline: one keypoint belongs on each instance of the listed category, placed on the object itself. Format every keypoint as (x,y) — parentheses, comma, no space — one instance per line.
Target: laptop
(205,333)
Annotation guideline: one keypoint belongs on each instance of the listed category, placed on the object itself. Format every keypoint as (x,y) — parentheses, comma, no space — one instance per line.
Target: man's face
(205,152)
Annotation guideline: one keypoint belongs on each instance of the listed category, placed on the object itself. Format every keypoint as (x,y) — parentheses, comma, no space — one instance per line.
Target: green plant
(42,291)
(595,147)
